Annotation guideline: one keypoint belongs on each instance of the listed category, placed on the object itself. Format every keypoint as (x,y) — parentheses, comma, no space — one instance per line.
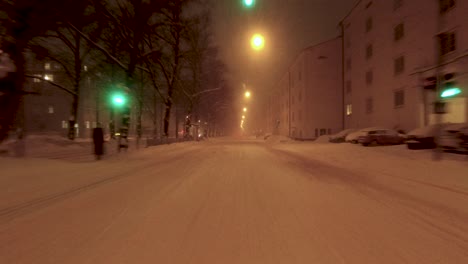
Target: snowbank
(275,139)
(323,139)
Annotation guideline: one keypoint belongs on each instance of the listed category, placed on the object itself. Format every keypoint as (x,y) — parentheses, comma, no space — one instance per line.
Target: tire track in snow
(11,212)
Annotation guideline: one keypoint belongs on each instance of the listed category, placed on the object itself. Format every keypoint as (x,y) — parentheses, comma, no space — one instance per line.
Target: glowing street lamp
(257,42)
(248,3)
(245,109)
(247,94)
(243,117)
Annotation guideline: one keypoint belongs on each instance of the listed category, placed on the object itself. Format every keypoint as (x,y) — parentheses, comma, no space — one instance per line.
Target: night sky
(288,25)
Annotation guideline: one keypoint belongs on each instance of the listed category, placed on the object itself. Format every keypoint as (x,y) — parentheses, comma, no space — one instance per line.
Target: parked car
(341,136)
(354,136)
(453,137)
(381,137)
(423,137)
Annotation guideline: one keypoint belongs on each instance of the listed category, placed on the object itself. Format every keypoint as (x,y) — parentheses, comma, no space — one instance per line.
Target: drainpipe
(343,83)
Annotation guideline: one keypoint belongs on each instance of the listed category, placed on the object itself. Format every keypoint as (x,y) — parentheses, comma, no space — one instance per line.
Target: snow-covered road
(226,201)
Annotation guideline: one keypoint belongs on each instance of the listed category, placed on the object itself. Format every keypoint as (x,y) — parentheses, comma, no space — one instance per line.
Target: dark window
(368,24)
(399,98)
(397,4)
(348,87)
(369,51)
(316,132)
(329,131)
(369,77)
(447,42)
(299,98)
(399,65)
(446,5)
(348,64)
(323,131)
(399,32)
(369,105)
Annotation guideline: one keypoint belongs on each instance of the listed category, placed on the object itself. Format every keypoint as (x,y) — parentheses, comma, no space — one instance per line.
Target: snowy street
(237,201)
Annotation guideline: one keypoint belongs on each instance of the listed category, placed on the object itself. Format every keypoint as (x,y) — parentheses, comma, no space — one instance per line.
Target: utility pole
(437,155)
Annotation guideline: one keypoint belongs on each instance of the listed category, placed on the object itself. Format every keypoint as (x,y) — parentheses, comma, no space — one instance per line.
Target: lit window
(88,124)
(349,109)
(85,68)
(51,109)
(37,80)
(64,124)
(49,77)
(47,66)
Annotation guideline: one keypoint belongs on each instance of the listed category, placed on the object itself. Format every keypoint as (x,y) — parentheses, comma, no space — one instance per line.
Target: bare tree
(21,21)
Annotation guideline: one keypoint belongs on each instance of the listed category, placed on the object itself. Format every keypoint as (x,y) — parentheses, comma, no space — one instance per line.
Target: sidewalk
(61,148)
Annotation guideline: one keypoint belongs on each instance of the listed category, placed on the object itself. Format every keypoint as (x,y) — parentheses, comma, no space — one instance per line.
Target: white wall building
(390,48)
(307,101)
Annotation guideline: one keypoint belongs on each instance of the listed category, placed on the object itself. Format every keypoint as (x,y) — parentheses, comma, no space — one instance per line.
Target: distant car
(453,137)
(423,137)
(381,137)
(341,136)
(354,136)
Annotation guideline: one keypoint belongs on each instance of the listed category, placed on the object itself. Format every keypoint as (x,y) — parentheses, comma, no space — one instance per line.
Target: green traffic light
(118,100)
(450,92)
(249,3)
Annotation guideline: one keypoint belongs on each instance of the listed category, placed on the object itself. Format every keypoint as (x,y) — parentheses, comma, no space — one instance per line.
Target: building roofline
(293,61)
(350,11)
(311,48)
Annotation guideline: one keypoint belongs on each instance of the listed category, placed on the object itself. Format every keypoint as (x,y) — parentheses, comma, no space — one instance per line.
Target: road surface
(233,202)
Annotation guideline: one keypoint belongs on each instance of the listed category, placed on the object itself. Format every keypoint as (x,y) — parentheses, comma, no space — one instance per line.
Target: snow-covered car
(453,137)
(353,137)
(423,137)
(381,137)
(341,136)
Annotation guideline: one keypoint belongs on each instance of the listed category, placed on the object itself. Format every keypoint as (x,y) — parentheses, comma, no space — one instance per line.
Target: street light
(248,3)
(257,42)
(245,109)
(243,117)
(247,94)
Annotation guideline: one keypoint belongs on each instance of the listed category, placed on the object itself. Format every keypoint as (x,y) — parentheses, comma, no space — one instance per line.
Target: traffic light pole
(437,154)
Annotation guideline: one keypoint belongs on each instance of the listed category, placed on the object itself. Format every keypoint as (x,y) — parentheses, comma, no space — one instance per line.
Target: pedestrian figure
(98,140)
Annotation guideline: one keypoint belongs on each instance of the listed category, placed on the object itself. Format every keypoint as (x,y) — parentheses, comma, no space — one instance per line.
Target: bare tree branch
(52,83)
(101,48)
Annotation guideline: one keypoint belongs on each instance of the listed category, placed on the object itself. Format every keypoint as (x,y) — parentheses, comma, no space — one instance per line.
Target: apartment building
(307,101)
(391,49)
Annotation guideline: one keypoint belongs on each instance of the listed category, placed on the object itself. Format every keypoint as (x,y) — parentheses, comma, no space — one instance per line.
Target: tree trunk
(167,117)
(11,91)
(73,118)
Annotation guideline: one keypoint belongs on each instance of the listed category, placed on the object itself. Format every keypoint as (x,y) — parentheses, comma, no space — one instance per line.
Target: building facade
(307,101)
(392,49)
